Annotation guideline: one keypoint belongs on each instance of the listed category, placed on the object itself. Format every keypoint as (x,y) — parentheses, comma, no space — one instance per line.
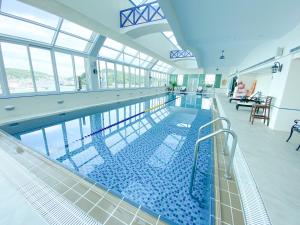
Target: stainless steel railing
(213,121)
(228,172)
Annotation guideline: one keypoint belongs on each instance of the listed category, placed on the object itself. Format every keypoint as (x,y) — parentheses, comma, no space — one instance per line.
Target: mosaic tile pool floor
(147,159)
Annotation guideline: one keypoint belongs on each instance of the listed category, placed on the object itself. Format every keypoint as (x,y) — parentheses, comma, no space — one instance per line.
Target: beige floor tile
(107,205)
(80,188)
(128,207)
(123,215)
(238,217)
(60,188)
(235,201)
(99,214)
(114,221)
(84,204)
(72,195)
(92,196)
(226,214)
(139,221)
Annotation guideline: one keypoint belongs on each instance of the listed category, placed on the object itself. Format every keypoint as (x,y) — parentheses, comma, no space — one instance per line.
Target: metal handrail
(213,121)
(228,172)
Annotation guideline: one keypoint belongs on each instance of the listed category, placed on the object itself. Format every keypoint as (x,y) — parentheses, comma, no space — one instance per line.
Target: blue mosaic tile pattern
(147,159)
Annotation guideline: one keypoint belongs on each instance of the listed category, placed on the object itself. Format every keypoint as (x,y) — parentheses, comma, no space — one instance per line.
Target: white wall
(39,106)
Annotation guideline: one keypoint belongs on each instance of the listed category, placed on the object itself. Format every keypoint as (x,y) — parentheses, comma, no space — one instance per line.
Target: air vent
(13,124)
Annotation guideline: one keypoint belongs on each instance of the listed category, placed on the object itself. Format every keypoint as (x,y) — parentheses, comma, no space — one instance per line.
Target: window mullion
(106,78)
(55,71)
(115,75)
(31,69)
(74,73)
(123,77)
(3,79)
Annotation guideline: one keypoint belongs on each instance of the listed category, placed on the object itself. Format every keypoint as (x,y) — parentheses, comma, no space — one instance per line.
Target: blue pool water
(147,159)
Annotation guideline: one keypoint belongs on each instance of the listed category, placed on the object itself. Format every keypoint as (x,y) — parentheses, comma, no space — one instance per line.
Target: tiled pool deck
(95,204)
(228,207)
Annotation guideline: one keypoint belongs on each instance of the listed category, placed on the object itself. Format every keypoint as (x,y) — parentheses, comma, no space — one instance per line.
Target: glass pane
(137,77)
(1,92)
(108,53)
(28,12)
(130,51)
(113,44)
(76,29)
(42,68)
(67,41)
(126,76)
(102,74)
(142,78)
(136,62)
(65,72)
(17,68)
(80,73)
(13,27)
(120,80)
(132,76)
(110,75)
(127,58)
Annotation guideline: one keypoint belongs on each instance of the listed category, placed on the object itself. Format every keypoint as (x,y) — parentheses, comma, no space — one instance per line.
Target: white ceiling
(208,27)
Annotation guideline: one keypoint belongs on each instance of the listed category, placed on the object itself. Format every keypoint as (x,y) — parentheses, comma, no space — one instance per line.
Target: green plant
(173,84)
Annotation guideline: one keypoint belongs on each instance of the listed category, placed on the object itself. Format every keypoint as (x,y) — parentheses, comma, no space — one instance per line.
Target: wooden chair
(265,115)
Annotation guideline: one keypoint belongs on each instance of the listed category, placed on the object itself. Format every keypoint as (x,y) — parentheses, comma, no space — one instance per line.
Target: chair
(252,98)
(182,89)
(199,90)
(295,127)
(265,115)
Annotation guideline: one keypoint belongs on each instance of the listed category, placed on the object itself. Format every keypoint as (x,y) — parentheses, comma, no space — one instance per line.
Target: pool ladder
(227,131)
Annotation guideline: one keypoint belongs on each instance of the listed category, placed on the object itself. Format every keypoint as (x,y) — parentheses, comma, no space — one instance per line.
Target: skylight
(25,11)
(170,35)
(112,49)
(161,66)
(25,30)
(39,26)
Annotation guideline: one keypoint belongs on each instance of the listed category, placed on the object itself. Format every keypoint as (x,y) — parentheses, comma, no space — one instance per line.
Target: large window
(127,76)
(120,76)
(210,79)
(110,75)
(132,76)
(142,77)
(17,68)
(65,72)
(42,69)
(102,74)
(80,73)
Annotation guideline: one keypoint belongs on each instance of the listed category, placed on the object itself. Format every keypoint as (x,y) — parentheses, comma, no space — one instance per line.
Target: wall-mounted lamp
(222,56)
(277,67)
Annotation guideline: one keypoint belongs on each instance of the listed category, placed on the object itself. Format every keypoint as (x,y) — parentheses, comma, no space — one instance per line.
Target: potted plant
(173,84)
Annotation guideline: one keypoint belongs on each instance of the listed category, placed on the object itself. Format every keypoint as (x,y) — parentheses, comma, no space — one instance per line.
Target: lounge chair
(248,102)
(252,98)
(199,90)
(295,127)
(182,89)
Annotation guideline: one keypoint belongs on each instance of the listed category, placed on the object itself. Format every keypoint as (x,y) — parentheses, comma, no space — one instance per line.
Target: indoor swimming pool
(142,150)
